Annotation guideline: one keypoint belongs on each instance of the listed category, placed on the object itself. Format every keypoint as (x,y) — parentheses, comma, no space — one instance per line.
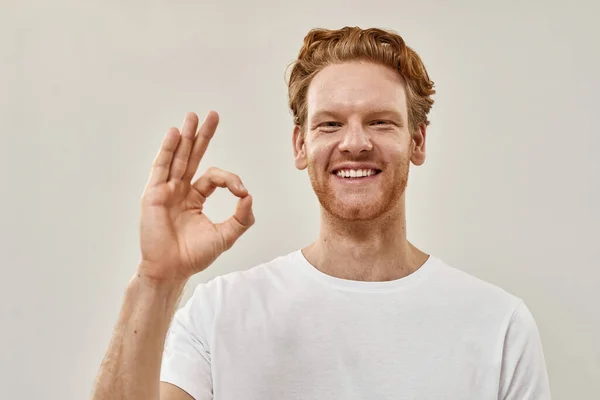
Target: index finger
(203,136)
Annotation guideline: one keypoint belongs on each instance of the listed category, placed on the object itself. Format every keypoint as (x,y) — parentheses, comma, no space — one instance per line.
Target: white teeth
(355,173)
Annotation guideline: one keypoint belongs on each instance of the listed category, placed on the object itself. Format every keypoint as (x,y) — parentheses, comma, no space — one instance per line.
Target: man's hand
(177,238)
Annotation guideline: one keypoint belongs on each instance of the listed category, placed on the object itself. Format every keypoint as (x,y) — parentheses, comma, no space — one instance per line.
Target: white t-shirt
(284,331)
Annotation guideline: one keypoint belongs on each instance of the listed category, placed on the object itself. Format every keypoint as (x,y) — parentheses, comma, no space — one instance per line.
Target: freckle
(135,332)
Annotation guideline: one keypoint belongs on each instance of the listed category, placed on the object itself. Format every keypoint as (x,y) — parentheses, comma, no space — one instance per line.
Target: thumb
(238,223)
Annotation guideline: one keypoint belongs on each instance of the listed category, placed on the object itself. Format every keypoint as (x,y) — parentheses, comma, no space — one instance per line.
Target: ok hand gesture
(177,238)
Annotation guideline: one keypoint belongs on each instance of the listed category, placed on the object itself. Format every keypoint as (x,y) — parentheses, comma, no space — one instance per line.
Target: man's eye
(381,122)
(330,124)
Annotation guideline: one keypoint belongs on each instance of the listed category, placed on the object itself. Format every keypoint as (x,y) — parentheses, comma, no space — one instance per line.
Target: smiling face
(357,145)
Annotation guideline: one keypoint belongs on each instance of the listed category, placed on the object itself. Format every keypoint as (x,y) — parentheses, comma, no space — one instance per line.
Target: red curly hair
(323,47)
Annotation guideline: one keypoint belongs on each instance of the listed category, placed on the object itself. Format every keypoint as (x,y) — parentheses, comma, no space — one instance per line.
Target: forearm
(131,367)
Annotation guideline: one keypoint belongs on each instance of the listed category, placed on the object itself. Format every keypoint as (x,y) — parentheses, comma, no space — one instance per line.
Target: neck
(374,250)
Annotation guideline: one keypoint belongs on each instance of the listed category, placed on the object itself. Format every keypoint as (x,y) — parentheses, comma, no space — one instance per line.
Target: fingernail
(242,187)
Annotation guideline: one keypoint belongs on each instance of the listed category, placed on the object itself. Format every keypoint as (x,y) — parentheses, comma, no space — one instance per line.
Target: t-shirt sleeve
(186,356)
(524,375)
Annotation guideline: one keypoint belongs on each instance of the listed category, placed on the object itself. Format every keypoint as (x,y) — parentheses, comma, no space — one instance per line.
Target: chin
(354,215)
(359,210)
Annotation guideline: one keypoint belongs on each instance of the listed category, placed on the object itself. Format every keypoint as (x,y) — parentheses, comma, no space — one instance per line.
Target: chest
(369,353)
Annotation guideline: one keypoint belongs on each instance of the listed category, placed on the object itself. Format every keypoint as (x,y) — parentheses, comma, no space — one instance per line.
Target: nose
(355,140)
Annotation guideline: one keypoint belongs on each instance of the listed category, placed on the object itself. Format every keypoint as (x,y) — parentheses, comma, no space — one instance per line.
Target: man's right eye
(330,124)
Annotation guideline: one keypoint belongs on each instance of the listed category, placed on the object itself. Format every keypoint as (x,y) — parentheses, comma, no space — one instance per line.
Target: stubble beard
(370,206)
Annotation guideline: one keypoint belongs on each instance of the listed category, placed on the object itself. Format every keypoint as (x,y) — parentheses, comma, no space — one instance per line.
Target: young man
(360,313)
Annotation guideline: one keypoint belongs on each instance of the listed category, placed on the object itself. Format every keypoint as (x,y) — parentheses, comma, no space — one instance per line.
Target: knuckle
(213,171)
(225,175)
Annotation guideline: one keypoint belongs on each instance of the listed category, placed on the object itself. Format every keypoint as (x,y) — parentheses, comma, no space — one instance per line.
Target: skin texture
(357,112)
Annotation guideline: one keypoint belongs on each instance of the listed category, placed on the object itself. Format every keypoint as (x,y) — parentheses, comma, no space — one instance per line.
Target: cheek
(318,153)
(396,150)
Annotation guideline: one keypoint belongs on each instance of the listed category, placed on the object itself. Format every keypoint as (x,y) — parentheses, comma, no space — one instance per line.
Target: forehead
(355,87)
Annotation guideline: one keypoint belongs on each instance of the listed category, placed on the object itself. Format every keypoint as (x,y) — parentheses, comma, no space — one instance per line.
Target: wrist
(159,284)
(168,289)
(146,273)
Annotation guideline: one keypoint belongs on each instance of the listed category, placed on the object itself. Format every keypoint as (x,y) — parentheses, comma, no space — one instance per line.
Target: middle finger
(182,154)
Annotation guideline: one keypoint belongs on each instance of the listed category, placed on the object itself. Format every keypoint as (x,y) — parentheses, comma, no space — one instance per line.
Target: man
(361,313)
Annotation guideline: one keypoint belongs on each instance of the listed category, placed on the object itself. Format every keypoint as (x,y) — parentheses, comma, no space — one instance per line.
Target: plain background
(509,193)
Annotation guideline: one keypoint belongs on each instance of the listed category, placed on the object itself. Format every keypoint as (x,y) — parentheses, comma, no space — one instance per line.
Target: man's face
(357,145)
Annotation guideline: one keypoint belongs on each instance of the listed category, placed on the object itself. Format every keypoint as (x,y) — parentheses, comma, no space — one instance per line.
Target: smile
(356,173)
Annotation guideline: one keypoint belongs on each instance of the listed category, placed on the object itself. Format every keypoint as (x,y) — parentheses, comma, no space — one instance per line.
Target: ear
(299,148)
(418,145)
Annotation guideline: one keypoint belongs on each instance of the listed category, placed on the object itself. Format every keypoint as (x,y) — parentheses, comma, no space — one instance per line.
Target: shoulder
(238,289)
(453,279)
(261,274)
(469,293)
(260,278)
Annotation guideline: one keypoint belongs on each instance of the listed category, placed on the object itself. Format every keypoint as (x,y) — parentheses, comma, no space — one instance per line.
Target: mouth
(356,174)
